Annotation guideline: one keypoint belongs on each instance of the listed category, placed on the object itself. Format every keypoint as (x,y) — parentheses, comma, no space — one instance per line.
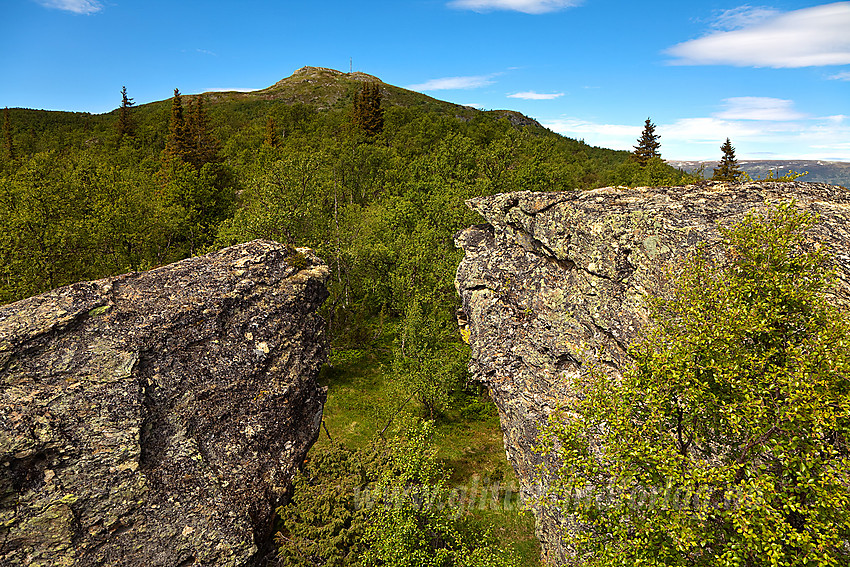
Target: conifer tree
(728,169)
(203,146)
(8,145)
(368,114)
(648,144)
(271,138)
(125,122)
(177,147)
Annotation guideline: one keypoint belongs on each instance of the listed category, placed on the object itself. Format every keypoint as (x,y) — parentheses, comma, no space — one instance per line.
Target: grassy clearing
(470,444)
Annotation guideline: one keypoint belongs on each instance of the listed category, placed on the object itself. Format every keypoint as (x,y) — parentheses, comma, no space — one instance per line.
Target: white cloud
(842,76)
(616,136)
(742,17)
(526,6)
(801,38)
(76,6)
(700,137)
(712,131)
(759,108)
(453,83)
(531,95)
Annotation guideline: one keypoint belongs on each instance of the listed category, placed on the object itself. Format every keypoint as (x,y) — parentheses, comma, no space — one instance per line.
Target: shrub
(726,443)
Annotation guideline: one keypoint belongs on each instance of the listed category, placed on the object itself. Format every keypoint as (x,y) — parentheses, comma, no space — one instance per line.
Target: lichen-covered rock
(156,418)
(555,279)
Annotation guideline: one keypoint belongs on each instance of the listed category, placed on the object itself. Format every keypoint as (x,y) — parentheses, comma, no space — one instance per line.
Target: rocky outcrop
(156,418)
(556,278)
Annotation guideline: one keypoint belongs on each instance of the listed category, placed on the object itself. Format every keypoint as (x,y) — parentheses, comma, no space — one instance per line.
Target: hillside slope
(317,88)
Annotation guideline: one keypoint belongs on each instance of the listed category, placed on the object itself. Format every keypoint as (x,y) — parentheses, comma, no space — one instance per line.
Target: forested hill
(85,196)
(310,88)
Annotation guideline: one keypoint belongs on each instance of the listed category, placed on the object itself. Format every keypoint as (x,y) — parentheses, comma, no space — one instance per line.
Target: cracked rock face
(157,418)
(555,279)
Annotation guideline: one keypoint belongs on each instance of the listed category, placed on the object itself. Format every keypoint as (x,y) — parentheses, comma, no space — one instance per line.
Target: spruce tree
(125,122)
(177,147)
(648,144)
(728,169)
(8,145)
(271,138)
(368,114)
(202,145)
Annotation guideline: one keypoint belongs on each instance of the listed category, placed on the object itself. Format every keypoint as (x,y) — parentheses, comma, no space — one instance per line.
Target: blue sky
(773,77)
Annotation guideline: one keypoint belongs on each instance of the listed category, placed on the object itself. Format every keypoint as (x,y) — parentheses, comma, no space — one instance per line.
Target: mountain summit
(326,89)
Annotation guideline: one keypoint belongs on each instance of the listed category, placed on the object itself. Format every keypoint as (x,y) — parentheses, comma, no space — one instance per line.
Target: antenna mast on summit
(351,64)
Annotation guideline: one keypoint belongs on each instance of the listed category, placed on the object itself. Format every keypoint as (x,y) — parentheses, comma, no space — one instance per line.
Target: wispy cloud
(206,52)
(526,6)
(742,17)
(531,95)
(454,83)
(617,136)
(711,131)
(801,38)
(842,76)
(759,108)
(76,6)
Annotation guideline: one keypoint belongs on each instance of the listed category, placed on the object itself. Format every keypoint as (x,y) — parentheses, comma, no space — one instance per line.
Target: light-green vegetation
(417,520)
(482,490)
(726,444)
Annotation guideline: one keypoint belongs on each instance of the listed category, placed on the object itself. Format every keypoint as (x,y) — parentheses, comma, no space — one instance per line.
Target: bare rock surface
(555,279)
(156,418)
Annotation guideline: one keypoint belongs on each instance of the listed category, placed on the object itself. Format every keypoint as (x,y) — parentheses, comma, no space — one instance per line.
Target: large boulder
(157,418)
(555,280)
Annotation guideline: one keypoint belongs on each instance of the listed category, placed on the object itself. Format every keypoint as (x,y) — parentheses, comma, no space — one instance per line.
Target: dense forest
(373,178)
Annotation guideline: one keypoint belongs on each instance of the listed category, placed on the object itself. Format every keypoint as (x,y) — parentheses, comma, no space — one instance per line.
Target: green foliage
(727,441)
(386,504)
(65,220)
(413,523)
(367,113)
(648,145)
(202,147)
(654,173)
(195,201)
(326,521)
(8,142)
(728,168)
(178,147)
(271,138)
(298,261)
(430,361)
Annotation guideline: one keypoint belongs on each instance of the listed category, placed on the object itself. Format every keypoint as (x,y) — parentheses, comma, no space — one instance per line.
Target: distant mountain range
(835,172)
